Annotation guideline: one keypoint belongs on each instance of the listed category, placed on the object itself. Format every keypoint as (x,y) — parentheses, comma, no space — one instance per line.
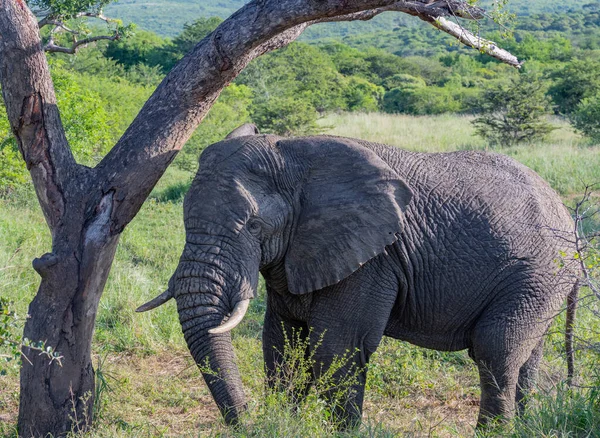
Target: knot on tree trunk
(43,263)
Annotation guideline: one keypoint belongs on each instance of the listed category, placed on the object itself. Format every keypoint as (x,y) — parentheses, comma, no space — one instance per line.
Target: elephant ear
(351,205)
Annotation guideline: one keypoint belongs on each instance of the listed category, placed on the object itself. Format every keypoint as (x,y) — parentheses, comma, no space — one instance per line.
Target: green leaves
(67,9)
(586,117)
(513,112)
(11,343)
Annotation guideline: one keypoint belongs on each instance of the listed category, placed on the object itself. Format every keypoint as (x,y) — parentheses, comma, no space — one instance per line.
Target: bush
(362,95)
(403,80)
(514,113)
(586,117)
(285,116)
(418,100)
(574,82)
(142,47)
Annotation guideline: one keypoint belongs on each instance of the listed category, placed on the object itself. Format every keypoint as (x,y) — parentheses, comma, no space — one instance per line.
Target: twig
(59,26)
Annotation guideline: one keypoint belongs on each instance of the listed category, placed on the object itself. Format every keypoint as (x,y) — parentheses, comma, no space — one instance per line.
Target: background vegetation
(394,82)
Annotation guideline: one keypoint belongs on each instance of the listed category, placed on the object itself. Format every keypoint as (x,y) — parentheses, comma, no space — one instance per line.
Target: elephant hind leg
(504,353)
(528,376)
(498,391)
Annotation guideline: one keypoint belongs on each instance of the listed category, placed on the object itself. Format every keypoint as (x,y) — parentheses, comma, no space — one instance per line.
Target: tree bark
(87,209)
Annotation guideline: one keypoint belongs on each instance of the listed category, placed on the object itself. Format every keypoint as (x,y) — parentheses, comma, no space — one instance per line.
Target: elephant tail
(570,321)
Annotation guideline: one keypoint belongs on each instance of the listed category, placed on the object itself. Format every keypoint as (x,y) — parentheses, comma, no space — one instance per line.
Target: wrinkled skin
(446,251)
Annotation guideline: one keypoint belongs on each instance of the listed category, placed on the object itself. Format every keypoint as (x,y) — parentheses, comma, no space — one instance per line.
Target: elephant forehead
(220,200)
(219,153)
(237,151)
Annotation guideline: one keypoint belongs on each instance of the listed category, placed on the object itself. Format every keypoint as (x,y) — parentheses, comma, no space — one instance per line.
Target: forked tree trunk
(87,209)
(60,398)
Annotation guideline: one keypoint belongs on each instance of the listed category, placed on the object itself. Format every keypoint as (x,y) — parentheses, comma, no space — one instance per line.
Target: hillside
(168,17)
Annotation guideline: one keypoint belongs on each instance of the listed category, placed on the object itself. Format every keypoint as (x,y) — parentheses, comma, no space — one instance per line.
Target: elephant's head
(314,210)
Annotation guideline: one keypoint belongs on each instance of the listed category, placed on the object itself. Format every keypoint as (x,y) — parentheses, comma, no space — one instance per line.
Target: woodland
(389,79)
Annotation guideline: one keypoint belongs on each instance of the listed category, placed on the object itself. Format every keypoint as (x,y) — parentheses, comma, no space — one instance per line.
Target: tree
(574,82)
(87,209)
(586,117)
(140,47)
(514,113)
(56,13)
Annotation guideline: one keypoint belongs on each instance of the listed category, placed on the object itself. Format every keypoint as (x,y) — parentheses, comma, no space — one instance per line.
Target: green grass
(152,388)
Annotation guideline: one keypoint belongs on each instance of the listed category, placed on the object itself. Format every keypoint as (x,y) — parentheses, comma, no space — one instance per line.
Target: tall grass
(151,387)
(565,160)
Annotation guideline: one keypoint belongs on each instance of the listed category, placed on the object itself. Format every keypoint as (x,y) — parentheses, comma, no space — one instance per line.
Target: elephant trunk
(210,300)
(214,355)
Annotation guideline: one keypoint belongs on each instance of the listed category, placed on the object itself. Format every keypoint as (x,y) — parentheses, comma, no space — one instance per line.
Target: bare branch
(59,25)
(77,44)
(99,15)
(476,42)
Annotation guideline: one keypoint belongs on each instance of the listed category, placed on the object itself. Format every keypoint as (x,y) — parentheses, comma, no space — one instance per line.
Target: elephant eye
(254,226)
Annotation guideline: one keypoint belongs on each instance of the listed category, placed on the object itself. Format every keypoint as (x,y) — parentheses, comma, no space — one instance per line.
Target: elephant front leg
(286,355)
(347,323)
(340,379)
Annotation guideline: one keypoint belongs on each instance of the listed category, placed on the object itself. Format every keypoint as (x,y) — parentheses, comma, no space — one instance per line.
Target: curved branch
(77,44)
(184,97)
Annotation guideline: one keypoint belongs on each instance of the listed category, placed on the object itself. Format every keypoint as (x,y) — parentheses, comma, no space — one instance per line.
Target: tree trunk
(60,398)
(63,313)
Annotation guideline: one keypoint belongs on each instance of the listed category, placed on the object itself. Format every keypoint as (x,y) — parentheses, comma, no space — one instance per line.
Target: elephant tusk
(159,300)
(235,318)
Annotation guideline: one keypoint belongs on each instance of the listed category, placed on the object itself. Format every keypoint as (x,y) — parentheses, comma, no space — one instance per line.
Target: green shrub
(586,117)
(362,95)
(403,80)
(513,112)
(574,82)
(418,100)
(142,47)
(285,116)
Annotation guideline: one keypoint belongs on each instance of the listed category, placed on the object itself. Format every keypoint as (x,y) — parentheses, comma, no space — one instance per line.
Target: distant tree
(404,81)
(586,117)
(361,95)
(194,32)
(349,61)
(418,101)
(513,112)
(142,47)
(298,71)
(285,116)
(574,82)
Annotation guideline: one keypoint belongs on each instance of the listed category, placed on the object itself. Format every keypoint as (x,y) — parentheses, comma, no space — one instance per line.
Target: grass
(565,160)
(150,386)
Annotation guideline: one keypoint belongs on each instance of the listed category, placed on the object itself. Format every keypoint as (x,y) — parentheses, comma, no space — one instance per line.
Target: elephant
(357,240)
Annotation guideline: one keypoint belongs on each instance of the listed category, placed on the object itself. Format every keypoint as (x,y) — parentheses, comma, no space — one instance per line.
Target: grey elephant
(447,251)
